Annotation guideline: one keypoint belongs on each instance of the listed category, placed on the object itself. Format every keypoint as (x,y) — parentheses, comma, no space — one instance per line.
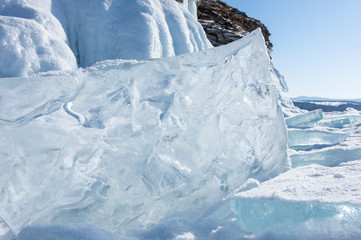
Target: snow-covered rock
(38,36)
(124,144)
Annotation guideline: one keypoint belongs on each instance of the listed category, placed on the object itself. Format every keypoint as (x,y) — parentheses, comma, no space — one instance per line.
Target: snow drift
(38,36)
(124,144)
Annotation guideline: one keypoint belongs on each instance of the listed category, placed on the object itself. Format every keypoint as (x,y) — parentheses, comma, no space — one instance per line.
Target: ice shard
(305,119)
(341,120)
(336,123)
(308,139)
(327,157)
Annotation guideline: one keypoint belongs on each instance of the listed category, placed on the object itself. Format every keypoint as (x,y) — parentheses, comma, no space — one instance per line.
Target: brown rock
(224,24)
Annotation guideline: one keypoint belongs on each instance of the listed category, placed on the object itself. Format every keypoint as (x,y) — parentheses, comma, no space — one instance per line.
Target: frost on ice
(38,36)
(124,144)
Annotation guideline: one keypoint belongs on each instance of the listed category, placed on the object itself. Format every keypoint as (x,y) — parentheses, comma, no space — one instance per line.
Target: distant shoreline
(322,99)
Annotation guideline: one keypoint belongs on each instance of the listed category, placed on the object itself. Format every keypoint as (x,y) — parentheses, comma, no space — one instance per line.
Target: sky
(316,43)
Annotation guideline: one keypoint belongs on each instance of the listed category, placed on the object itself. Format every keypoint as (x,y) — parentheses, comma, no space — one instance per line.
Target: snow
(313,183)
(320,197)
(131,29)
(31,39)
(39,36)
(304,203)
(191,5)
(123,145)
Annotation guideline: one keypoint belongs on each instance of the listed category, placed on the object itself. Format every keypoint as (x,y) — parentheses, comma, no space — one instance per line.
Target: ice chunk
(280,219)
(5,231)
(319,145)
(327,157)
(208,222)
(340,121)
(308,198)
(309,139)
(305,120)
(336,123)
(258,215)
(68,232)
(124,144)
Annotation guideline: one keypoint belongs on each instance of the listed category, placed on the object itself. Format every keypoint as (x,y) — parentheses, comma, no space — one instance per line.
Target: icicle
(192,6)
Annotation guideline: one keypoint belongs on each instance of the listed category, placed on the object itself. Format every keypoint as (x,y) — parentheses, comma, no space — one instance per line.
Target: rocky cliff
(224,24)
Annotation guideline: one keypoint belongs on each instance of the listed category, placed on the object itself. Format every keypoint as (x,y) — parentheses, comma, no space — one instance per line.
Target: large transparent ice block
(124,144)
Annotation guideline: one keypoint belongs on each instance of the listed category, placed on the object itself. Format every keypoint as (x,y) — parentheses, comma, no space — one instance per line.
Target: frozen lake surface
(319,198)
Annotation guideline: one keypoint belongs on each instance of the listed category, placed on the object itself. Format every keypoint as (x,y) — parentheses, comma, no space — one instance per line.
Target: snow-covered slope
(38,36)
(32,39)
(124,144)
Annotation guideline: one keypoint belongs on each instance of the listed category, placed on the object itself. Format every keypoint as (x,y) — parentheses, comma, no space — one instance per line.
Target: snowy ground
(320,197)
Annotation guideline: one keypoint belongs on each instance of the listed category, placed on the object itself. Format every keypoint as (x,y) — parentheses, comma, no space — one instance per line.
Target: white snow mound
(31,39)
(38,36)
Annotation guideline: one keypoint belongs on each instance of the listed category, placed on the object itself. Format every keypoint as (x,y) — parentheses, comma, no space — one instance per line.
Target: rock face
(224,24)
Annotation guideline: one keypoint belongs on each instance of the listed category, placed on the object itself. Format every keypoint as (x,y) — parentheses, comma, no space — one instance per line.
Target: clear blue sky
(317,43)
